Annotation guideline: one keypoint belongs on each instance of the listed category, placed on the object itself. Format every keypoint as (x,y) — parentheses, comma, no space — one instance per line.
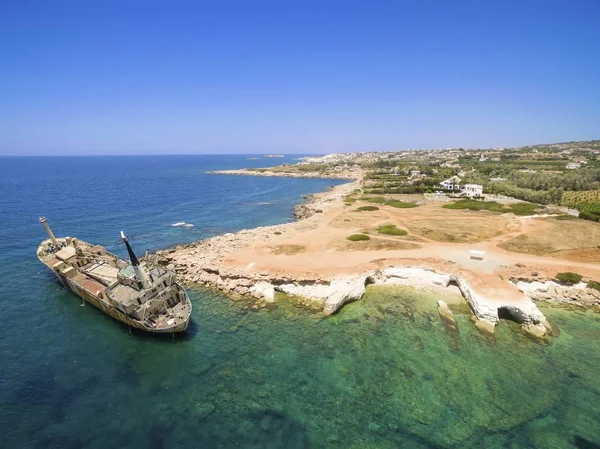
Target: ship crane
(139,269)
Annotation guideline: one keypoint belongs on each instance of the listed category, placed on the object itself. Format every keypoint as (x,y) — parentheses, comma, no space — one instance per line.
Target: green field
(587,202)
(391,202)
(521,209)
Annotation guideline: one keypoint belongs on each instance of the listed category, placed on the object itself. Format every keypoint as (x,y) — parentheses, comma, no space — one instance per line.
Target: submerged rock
(486,327)
(204,410)
(447,316)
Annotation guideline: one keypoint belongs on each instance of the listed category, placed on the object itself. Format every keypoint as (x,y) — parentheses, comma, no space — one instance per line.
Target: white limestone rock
(344,290)
(263,290)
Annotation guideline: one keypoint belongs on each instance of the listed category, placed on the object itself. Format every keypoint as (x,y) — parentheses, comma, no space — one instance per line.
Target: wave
(182,224)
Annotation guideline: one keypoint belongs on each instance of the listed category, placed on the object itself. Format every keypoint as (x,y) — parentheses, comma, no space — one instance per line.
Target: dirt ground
(437,238)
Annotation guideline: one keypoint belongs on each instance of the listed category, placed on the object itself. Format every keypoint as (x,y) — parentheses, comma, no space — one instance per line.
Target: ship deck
(89,284)
(103,271)
(125,294)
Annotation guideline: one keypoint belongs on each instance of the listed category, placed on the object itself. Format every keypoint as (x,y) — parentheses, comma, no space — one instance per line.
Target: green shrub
(569,278)
(399,204)
(589,215)
(277,233)
(358,237)
(367,208)
(391,229)
(594,285)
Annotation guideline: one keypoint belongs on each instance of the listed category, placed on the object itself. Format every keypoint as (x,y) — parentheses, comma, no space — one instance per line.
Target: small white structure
(472,190)
(452,183)
(573,165)
(415,174)
(476,254)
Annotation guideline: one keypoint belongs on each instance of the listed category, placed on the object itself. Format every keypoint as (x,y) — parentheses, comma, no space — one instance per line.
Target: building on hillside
(452,183)
(472,190)
(450,164)
(573,165)
(415,174)
(497,179)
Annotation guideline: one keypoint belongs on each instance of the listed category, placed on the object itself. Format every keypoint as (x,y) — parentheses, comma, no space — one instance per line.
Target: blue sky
(141,77)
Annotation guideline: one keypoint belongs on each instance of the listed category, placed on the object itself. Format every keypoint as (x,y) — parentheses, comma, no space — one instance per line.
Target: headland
(502,258)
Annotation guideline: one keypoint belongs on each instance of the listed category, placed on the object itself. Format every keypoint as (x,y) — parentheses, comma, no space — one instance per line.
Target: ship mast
(139,270)
(49,231)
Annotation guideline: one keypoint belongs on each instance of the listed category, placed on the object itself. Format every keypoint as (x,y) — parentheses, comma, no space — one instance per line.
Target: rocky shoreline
(341,174)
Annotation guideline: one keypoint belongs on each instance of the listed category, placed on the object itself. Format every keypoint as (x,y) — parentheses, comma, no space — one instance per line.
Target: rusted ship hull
(94,293)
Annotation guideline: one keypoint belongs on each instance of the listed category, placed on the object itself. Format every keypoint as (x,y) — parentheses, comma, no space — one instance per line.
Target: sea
(384,372)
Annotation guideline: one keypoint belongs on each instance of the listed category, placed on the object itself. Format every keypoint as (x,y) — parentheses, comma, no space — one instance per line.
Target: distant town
(566,174)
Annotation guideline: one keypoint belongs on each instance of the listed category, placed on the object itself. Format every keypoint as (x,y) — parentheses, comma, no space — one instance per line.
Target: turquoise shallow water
(383,373)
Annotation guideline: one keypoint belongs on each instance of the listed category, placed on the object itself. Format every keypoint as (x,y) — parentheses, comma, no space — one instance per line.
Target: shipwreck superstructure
(143,294)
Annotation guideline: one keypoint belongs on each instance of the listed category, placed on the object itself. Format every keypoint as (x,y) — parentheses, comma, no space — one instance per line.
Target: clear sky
(295,76)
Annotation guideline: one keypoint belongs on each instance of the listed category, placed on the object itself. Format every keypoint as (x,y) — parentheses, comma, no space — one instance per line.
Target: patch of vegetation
(569,278)
(477,205)
(391,202)
(590,215)
(391,229)
(288,250)
(524,209)
(400,204)
(374,199)
(367,208)
(595,285)
(575,199)
(566,217)
(358,237)
(349,200)
(277,233)
(521,209)
(587,202)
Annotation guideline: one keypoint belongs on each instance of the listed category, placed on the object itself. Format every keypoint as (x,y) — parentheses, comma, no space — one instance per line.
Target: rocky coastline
(202,264)
(354,174)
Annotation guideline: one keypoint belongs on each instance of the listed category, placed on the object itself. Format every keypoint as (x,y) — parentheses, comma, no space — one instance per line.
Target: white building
(472,190)
(452,183)
(573,165)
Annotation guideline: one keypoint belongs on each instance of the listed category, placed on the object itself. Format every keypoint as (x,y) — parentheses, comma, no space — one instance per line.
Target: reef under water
(385,372)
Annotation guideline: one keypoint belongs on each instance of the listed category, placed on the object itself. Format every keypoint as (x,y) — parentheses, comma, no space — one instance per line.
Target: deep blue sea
(382,373)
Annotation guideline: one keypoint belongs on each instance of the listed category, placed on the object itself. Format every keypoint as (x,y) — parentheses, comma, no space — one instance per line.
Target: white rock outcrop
(263,290)
(579,294)
(343,291)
